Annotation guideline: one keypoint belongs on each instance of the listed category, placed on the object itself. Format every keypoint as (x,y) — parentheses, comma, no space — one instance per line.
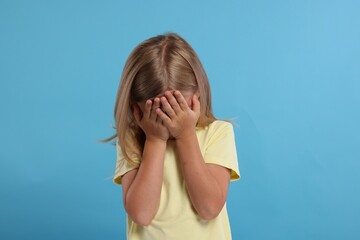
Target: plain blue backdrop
(288,71)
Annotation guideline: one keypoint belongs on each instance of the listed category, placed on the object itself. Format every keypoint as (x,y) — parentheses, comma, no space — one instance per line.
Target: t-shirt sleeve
(221,148)
(122,166)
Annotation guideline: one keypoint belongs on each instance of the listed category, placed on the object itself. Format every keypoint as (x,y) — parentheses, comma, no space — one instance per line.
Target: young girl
(174,159)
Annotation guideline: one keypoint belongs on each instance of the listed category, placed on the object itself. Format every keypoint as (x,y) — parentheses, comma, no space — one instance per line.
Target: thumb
(195,104)
(137,114)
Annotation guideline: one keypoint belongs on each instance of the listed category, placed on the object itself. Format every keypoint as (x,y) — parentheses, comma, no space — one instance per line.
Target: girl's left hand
(177,116)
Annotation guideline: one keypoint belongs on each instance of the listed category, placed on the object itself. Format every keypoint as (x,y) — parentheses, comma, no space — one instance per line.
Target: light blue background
(288,70)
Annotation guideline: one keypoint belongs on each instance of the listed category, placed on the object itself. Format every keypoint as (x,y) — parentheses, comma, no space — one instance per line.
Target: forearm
(143,197)
(204,191)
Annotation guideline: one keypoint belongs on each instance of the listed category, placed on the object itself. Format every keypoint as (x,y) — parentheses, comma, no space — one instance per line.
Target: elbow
(210,209)
(208,216)
(209,213)
(141,218)
(142,221)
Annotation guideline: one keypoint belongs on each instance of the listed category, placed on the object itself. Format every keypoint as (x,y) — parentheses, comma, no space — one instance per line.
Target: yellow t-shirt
(176,219)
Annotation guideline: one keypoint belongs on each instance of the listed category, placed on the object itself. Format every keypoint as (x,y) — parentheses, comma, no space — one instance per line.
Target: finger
(147,109)
(156,103)
(166,108)
(155,106)
(195,106)
(173,102)
(164,118)
(158,119)
(137,113)
(181,100)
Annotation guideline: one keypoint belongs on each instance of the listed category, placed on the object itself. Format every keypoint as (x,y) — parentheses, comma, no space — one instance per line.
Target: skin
(172,117)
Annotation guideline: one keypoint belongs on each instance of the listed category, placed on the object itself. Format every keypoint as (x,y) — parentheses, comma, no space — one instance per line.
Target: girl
(174,159)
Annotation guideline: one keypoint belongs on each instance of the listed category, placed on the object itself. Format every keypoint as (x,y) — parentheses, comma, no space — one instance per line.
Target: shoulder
(215,130)
(219,126)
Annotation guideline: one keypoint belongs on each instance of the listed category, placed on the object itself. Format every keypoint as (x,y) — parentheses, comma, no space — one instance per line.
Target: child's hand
(177,116)
(149,122)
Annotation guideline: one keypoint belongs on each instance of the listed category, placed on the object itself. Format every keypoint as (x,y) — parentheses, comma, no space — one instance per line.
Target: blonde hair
(157,64)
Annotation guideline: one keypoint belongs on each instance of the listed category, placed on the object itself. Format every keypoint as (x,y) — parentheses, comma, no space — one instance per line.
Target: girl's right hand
(149,121)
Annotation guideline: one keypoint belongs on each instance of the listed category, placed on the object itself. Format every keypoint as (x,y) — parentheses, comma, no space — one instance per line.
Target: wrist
(156,140)
(186,136)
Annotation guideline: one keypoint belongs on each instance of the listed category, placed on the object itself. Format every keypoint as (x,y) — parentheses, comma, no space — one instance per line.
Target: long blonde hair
(157,64)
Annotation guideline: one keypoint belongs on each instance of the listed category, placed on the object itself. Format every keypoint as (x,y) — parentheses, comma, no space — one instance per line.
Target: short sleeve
(122,166)
(221,148)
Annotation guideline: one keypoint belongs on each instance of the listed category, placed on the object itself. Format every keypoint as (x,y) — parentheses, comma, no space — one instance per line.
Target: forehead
(185,93)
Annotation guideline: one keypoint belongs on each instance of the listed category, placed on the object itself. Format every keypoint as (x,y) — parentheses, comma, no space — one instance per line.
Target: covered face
(187,95)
